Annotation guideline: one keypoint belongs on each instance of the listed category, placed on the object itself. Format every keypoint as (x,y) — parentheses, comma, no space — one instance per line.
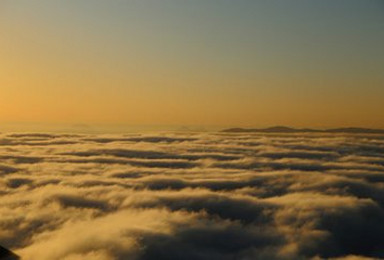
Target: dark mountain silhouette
(284,129)
(6,254)
(356,130)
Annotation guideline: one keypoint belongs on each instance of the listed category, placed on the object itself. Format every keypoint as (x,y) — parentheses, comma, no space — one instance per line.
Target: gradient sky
(255,63)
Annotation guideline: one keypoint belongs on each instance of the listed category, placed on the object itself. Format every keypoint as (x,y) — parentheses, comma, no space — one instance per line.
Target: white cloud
(192,196)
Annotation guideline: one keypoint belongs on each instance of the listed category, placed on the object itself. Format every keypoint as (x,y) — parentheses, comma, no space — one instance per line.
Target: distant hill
(284,129)
(356,130)
(5,254)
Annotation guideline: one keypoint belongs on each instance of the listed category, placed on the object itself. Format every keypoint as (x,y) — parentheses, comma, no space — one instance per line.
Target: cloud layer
(192,196)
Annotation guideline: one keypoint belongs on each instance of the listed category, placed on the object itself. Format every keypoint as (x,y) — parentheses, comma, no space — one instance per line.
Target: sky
(302,63)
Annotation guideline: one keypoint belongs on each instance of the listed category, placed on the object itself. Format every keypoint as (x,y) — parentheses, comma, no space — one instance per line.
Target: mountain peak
(6,254)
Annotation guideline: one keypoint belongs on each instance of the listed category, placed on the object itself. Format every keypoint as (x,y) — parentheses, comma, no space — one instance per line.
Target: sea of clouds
(192,196)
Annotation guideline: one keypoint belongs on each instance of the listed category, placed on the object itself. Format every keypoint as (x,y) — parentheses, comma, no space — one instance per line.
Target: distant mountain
(5,254)
(356,130)
(275,129)
(284,129)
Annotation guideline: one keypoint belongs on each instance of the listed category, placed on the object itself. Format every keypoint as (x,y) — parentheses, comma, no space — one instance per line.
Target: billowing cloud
(192,196)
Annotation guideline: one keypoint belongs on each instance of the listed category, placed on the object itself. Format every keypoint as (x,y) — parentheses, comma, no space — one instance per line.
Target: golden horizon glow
(146,63)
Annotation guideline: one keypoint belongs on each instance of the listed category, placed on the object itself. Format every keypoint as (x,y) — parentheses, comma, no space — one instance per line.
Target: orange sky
(244,64)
